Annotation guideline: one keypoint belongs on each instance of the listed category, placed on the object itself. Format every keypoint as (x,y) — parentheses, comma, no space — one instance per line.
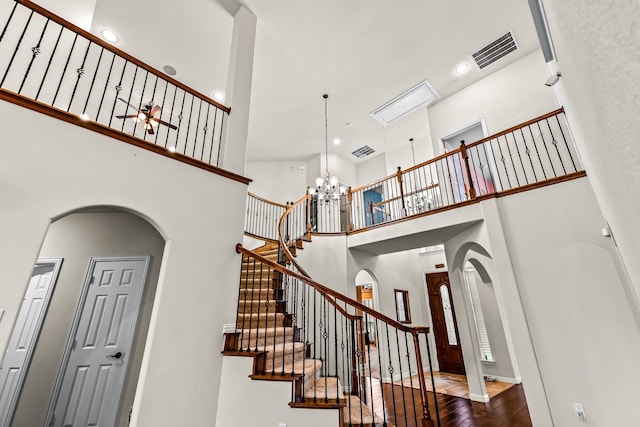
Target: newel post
(465,157)
(350,211)
(399,177)
(427,421)
(308,216)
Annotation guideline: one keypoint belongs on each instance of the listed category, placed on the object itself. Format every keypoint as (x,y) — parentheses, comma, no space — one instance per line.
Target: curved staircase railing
(337,352)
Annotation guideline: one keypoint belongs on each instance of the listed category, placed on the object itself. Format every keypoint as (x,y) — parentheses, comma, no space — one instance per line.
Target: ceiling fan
(149,114)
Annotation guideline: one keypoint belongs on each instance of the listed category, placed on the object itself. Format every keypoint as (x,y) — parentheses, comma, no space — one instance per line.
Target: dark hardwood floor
(507,409)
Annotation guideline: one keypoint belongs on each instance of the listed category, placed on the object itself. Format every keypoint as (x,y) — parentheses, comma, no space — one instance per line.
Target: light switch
(579,410)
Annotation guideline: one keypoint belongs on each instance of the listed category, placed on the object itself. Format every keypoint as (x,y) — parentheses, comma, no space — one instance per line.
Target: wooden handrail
(265,200)
(516,127)
(335,296)
(94,39)
(428,187)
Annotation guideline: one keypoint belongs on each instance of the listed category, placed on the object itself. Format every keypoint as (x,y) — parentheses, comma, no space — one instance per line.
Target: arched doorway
(79,238)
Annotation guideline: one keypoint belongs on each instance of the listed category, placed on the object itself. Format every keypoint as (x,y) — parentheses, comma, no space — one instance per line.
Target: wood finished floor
(507,409)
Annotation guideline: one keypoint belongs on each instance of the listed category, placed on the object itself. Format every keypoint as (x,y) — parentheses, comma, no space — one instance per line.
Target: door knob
(117,355)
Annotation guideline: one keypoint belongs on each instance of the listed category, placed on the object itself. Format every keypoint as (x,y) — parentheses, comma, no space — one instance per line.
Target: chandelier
(418,201)
(328,187)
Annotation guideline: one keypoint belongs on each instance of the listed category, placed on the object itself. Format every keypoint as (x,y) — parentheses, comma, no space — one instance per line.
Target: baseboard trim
(482,398)
(509,380)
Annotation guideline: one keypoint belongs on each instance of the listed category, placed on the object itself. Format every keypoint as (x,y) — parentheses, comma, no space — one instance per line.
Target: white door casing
(92,374)
(25,334)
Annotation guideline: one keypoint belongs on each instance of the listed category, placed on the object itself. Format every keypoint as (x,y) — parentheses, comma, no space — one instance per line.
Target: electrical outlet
(282,425)
(579,410)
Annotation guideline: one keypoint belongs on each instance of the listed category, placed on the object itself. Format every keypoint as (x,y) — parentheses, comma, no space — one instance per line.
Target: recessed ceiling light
(170,70)
(462,68)
(109,36)
(218,96)
(172,149)
(84,117)
(336,141)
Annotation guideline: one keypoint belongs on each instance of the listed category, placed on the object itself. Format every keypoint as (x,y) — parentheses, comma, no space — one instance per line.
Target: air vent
(497,49)
(418,96)
(363,152)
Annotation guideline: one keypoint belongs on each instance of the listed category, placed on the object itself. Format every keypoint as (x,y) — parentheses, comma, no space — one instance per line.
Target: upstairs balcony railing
(533,154)
(55,67)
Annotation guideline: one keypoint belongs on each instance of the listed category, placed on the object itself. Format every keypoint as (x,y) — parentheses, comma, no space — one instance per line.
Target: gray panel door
(89,391)
(24,336)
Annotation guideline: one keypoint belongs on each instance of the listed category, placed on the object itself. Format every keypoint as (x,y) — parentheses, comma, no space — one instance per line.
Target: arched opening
(367,294)
(82,239)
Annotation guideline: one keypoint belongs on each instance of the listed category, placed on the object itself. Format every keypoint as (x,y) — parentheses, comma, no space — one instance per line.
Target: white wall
(371,170)
(511,95)
(573,295)
(600,93)
(276,181)
(76,238)
(246,402)
(54,168)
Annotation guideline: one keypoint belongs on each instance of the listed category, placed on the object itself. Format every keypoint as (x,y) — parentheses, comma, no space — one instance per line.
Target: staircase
(267,331)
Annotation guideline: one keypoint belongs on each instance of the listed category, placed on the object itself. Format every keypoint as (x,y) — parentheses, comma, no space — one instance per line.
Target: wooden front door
(445,329)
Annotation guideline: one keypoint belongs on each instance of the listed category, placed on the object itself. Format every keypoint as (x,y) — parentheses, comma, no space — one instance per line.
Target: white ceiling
(361,52)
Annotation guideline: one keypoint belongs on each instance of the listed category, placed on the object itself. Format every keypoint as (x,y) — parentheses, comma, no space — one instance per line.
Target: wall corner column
(238,93)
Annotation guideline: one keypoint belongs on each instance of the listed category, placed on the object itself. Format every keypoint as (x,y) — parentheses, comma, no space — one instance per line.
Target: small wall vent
(363,152)
(497,49)
(418,96)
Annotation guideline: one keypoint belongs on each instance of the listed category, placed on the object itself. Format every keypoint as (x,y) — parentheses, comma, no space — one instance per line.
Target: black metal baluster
(433,382)
(528,152)
(524,171)
(13,57)
(564,138)
(147,120)
(213,134)
(140,103)
(186,138)
(180,117)
(555,144)
(64,70)
(152,102)
(402,387)
(413,395)
(46,71)
(6,25)
(493,178)
(245,258)
(390,369)
(106,84)
(173,103)
(35,52)
(220,139)
(205,129)
(195,137)
(93,81)
(118,89)
(164,97)
(513,165)
(533,138)
(544,143)
(80,72)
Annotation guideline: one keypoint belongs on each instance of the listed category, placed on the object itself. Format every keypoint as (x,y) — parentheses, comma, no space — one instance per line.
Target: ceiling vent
(363,151)
(418,96)
(497,49)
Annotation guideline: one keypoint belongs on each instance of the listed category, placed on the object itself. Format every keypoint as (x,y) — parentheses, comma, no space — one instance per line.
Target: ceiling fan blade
(162,122)
(130,116)
(156,109)
(128,103)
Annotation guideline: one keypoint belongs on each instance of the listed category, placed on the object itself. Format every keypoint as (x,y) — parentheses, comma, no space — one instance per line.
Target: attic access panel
(418,96)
